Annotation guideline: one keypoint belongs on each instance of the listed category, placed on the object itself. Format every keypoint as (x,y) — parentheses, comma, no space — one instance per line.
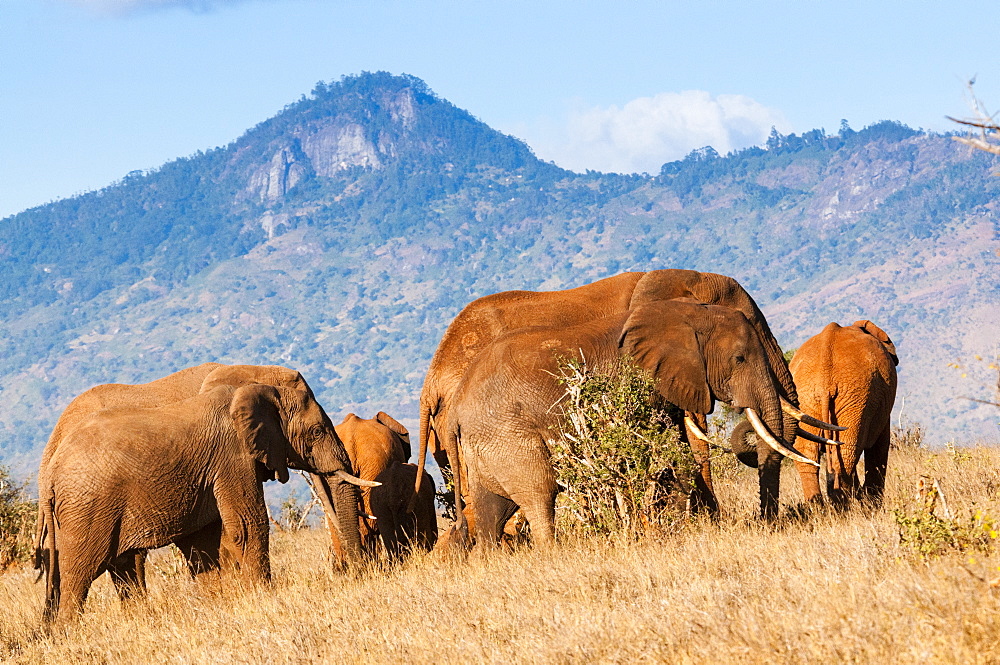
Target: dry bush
(17,521)
(833,588)
(906,436)
(618,458)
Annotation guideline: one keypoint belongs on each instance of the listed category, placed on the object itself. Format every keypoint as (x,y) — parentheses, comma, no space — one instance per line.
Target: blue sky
(93,89)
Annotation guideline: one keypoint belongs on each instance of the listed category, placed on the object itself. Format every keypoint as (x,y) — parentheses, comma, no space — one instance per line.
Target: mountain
(341,236)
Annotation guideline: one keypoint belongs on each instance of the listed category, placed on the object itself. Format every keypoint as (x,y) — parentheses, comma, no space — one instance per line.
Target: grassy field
(833,588)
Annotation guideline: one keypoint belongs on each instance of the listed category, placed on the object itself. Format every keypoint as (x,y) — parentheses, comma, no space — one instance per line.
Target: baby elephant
(378,448)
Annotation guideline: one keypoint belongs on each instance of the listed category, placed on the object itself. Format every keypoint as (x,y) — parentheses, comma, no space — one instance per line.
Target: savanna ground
(832,588)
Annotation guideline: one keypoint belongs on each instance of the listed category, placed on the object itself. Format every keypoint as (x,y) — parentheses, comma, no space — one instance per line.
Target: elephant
(503,414)
(172,388)
(399,526)
(190,473)
(129,576)
(485,319)
(379,448)
(848,375)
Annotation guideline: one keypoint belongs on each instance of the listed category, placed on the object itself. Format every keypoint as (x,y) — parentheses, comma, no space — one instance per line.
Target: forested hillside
(342,235)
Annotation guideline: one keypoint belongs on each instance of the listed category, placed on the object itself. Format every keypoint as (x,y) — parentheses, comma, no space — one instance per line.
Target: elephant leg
(249,550)
(441,459)
(424,517)
(809,474)
(769,478)
(245,527)
(80,564)
(128,572)
(492,512)
(203,552)
(842,475)
(703,497)
(876,462)
(392,535)
(540,511)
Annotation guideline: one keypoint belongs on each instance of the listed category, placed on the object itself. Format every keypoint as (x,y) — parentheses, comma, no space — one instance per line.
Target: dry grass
(835,588)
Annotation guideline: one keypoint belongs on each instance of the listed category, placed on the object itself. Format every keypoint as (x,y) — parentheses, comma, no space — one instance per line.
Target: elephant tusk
(809,436)
(348,478)
(689,422)
(768,438)
(804,417)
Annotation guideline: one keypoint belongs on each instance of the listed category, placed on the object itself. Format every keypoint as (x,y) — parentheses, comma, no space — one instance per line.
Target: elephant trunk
(744,452)
(341,503)
(345,503)
(764,413)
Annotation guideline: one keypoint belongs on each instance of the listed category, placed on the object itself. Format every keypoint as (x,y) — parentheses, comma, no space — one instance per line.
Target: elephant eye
(740,359)
(316,432)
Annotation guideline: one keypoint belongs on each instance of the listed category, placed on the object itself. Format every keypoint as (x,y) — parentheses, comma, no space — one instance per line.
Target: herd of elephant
(182,460)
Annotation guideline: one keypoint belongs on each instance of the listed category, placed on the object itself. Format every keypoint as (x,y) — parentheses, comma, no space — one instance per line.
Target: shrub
(17,521)
(907,437)
(445,496)
(928,535)
(294,513)
(618,456)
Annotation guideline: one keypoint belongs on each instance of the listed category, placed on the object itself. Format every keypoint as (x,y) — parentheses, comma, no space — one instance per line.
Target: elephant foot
(454,544)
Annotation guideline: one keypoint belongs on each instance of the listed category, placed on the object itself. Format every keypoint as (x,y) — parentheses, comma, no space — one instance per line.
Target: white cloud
(123,7)
(648,131)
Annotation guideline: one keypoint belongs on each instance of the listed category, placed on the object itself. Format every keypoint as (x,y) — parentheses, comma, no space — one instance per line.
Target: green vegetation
(618,458)
(929,535)
(17,521)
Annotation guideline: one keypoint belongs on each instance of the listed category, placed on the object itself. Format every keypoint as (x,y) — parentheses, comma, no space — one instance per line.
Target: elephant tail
(426,427)
(41,531)
(46,559)
(453,445)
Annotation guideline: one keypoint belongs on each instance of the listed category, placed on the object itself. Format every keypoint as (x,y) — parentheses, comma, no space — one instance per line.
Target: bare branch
(981,401)
(989,131)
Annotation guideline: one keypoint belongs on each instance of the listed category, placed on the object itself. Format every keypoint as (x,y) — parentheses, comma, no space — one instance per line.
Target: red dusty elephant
(847,376)
(378,448)
(484,320)
(189,472)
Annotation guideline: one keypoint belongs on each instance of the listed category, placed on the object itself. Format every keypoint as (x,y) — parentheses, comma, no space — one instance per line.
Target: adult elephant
(848,375)
(505,408)
(485,319)
(129,576)
(190,473)
(379,448)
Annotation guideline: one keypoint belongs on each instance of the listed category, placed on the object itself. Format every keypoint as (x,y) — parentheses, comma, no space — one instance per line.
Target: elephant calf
(378,448)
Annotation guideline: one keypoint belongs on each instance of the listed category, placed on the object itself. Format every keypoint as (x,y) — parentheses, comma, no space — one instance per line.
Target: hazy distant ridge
(342,235)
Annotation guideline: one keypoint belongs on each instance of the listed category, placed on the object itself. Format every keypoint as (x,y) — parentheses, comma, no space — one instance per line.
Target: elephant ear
(665,344)
(256,414)
(397,428)
(881,336)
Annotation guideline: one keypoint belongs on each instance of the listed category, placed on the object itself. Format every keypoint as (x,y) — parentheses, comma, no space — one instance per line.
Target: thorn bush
(17,521)
(618,457)
(928,535)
